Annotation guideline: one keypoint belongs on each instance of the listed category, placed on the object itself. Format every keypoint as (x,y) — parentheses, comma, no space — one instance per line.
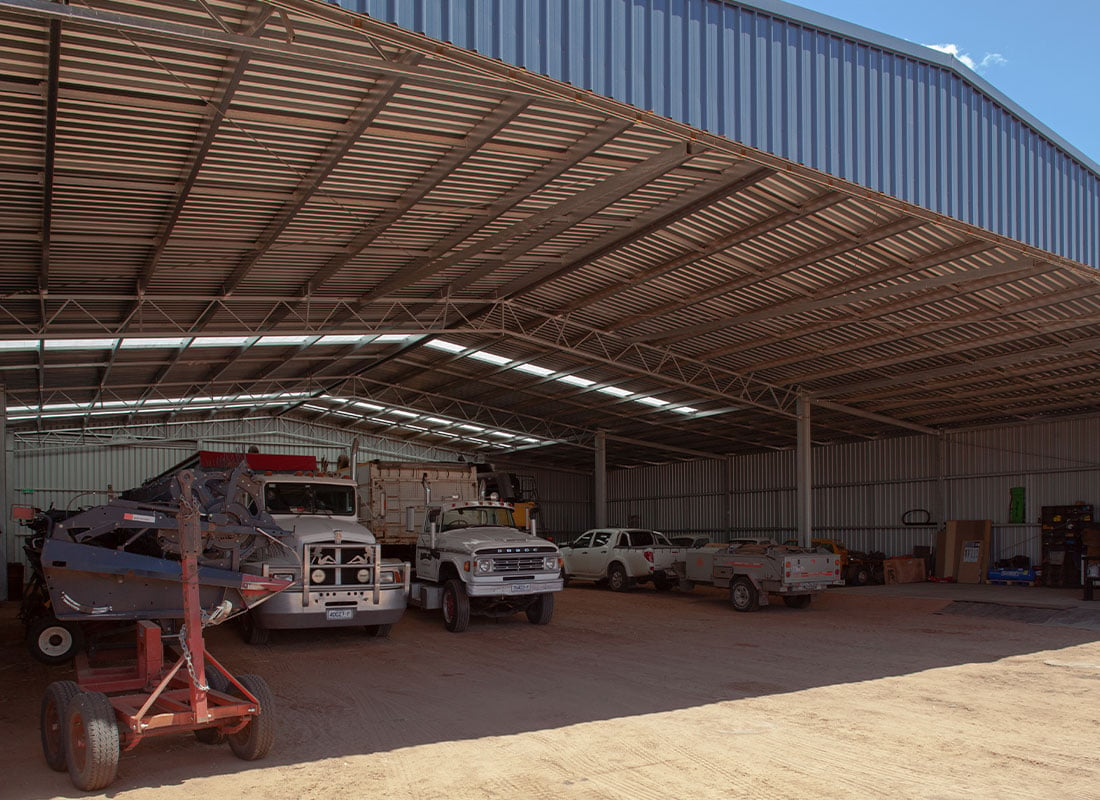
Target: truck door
(593,557)
(427,559)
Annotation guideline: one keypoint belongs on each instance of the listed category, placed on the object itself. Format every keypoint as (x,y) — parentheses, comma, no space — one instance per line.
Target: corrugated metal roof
(215,180)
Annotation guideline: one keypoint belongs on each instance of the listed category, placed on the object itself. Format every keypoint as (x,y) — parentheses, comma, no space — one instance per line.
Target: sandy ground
(865,695)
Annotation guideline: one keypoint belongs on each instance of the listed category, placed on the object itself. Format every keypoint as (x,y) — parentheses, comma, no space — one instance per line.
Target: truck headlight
(550,563)
(483,566)
(363,576)
(391,576)
(317,576)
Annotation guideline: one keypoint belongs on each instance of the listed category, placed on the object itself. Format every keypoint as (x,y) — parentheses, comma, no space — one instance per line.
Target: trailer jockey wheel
(91,748)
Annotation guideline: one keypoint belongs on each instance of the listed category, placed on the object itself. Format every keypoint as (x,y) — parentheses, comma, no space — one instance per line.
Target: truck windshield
(309,498)
(454,518)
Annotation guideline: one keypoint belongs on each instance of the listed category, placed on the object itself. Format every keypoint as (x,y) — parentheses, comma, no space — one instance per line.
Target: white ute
(622,557)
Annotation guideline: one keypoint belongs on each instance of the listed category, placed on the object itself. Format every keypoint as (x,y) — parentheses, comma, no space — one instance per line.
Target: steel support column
(6,534)
(599,489)
(804,473)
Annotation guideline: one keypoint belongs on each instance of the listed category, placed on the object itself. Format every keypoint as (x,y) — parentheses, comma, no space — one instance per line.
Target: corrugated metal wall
(862,106)
(866,493)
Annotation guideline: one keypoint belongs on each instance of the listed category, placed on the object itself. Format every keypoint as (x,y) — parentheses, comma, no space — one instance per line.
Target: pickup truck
(622,557)
(752,572)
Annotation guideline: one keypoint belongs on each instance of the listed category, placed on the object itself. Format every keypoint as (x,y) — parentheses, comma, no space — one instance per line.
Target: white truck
(471,558)
(340,578)
(752,572)
(621,557)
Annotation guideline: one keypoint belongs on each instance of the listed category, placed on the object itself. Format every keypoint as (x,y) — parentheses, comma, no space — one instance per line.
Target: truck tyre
(91,741)
(542,610)
(255,739)
(377,631)
(798,600)
(564,578)
(52,641)
(859,575)
(743,595)
(51,721)
(617,581)
(456,606)
(252,630)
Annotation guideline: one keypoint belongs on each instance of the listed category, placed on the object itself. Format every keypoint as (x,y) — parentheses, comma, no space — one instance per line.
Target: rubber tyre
(743,595)
(564,578)
(253,631)
(254,740)
(91,741)
(861,576)
(378,631)
(541,611)
(617,581)
(51,722)
(217,683)
(456,606)
(661,583)
(54,642)
(798,600)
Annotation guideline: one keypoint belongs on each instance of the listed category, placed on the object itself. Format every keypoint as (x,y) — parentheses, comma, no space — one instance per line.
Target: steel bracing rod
(547,223)
(758,274)
(1006,314)
(333,58)
(859,289)
(640,277)
(736,179)
(922,291)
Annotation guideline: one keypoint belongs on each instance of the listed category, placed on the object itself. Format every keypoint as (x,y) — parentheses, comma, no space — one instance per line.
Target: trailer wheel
(377,631)
(255,739)
(743,595)
(456,606)
(542,610)
(51,721)
(798,600)
(252,630)
(617,581)
(91,744)
(54,642)
(661,583)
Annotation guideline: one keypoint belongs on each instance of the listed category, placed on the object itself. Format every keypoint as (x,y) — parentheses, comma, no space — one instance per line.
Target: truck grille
(340,563)
(517,564)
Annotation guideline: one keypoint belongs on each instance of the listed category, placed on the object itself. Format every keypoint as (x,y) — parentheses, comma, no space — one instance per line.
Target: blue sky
(1043,56)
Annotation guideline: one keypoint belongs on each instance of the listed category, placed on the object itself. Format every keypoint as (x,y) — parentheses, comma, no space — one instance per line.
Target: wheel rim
(448,606)
(78,743)
(55,641)
(740,595)
(616,579)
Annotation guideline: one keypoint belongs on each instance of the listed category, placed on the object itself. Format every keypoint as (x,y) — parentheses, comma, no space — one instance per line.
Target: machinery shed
(678,242)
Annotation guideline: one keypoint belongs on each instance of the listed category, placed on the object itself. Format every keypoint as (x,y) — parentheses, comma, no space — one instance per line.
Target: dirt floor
(867,694)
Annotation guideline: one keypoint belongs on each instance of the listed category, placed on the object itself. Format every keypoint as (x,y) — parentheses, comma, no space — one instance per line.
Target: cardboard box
(906,569)
(973,553)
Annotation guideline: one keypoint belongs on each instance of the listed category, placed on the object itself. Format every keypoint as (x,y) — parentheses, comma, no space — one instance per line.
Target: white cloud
(986,61)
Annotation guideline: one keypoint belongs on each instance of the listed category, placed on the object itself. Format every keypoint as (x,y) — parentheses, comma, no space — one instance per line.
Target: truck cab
(472,558)
(340,578)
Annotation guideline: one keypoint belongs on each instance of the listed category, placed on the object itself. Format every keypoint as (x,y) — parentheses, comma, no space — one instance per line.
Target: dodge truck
(753,572)
(472,558)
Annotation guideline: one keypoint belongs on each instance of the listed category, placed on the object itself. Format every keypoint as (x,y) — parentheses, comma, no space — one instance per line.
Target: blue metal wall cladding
(871,112)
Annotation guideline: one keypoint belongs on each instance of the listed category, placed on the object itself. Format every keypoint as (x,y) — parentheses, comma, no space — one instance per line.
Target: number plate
(520,588)
(333,614)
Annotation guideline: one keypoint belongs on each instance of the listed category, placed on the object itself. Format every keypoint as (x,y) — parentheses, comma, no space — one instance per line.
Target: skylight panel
(20,344)
(152,342)
(576,380)
(492,358)
(534,369)
(443,344)
(267,341)
(220,341)
(614,391)
(79,344)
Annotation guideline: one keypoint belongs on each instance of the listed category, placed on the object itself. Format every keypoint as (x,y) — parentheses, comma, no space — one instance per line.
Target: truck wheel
(255,739)
(52,641)
(616,578)
(743,595)
(456,606)
(252,630)
(798,600)
(860,576)
(377,631)
(91,748)
(51,721)
(541,611)
(564,578)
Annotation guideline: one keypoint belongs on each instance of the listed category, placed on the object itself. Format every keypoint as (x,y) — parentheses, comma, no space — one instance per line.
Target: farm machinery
(171,568)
